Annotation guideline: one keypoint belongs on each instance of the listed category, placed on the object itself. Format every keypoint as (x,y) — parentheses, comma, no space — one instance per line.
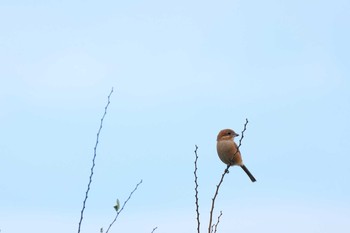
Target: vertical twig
(244,129)
(154,229)
(222,179)
(93,163)
(196,188)
(121,209)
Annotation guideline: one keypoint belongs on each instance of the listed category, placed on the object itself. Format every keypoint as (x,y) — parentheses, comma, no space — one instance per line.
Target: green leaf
(117,205)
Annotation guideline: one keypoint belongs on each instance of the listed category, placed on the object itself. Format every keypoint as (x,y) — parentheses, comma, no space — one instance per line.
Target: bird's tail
(248,173)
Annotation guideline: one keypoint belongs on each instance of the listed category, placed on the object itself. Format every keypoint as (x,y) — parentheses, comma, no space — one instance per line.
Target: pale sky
(181,71)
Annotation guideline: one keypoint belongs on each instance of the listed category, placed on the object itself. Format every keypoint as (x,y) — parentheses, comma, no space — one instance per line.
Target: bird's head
(226,134)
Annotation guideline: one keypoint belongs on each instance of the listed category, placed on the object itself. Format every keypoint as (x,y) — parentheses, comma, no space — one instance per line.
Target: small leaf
(117,205)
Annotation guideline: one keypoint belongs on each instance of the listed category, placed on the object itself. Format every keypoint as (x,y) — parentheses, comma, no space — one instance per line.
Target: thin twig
(240,140)
(121,209)
(245,128)
(93,163)
(154,229)
(196,188)
(215,226)
(222,179)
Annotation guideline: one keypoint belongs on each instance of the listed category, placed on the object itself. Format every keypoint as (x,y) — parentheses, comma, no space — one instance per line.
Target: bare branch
(154,229)
(121,209)
(196,188)
(214,198)
(93,162)
(226,171)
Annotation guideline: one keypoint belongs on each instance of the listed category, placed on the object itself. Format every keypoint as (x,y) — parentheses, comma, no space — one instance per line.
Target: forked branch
(226,171)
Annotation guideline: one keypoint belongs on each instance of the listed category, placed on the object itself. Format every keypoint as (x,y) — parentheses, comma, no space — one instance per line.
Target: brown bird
(228,150)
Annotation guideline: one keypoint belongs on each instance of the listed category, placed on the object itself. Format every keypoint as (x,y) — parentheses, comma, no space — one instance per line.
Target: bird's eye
(229,133)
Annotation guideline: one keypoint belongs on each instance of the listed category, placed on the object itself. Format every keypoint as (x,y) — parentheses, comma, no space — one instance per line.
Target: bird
(228,150)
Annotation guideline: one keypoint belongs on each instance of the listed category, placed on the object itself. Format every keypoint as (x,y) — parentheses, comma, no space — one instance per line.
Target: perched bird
(228,150)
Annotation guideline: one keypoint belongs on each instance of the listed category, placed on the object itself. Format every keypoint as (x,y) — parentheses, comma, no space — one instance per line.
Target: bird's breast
(225,146)
(227,151)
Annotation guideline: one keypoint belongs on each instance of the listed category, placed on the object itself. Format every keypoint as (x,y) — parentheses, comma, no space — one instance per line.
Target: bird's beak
(237,135)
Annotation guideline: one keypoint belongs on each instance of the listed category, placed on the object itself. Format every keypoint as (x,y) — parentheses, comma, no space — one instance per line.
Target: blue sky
(181,71)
